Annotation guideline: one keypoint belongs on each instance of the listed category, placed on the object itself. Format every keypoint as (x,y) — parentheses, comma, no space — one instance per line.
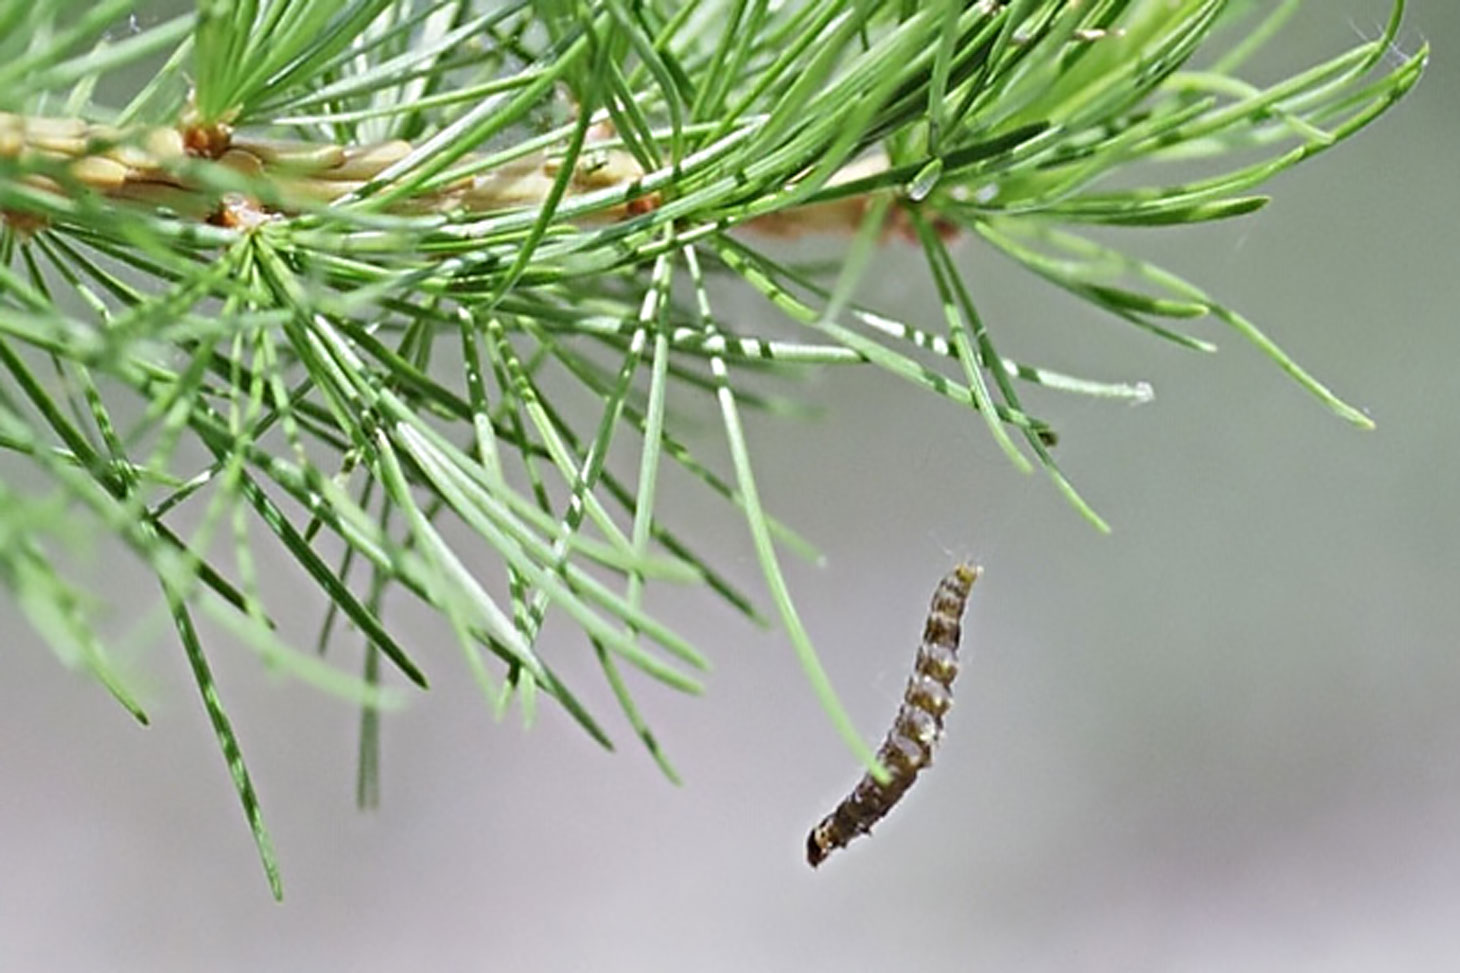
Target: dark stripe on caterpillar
(908,747)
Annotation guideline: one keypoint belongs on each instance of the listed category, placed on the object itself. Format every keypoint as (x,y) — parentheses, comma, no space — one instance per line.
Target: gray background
(1222,738)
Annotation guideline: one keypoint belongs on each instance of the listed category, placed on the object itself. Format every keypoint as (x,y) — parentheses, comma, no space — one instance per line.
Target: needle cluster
(310,279)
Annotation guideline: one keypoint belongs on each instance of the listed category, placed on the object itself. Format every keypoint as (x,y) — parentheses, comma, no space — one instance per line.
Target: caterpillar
(908,747)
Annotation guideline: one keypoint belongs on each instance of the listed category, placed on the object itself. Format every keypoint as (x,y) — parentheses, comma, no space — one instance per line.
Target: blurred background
(1225,737)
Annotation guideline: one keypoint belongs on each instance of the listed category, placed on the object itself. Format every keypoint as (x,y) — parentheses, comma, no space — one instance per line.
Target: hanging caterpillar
(908,747)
